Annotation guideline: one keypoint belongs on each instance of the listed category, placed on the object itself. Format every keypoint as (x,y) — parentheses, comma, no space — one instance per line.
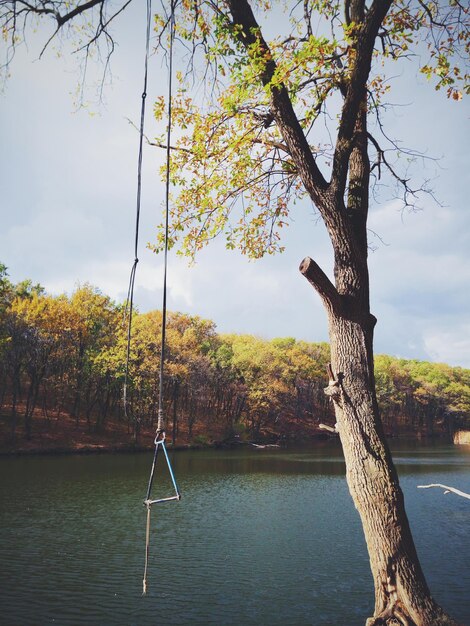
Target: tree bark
(401,593)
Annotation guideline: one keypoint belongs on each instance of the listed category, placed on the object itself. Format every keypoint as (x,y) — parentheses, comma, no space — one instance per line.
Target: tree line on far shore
(66,355)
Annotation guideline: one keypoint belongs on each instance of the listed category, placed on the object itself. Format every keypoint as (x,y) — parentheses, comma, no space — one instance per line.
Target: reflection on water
(265,537)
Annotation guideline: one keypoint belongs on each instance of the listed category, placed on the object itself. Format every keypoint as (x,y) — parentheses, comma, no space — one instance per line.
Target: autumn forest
(62,366)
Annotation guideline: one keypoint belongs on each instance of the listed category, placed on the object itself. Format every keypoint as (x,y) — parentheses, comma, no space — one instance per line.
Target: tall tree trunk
(402,596)
(401,593)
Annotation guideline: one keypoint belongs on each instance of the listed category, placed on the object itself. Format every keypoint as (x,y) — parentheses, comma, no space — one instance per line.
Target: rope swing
(160,433)
(159,441)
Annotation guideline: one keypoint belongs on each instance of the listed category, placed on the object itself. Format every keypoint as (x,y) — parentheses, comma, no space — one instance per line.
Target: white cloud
(449,346)
(420,281)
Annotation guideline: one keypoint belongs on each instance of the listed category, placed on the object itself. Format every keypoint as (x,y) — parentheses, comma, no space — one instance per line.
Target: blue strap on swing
(160,443)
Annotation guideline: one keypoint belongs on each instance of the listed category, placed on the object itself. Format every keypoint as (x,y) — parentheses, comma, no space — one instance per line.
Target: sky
(67,208)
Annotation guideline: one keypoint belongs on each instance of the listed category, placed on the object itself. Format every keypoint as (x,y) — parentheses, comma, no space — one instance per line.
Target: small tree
(252,148)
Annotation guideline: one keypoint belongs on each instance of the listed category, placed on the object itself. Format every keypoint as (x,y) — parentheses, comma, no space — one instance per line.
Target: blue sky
(68,181)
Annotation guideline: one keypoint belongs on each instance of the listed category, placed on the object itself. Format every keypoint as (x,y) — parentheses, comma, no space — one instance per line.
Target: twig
(329,428)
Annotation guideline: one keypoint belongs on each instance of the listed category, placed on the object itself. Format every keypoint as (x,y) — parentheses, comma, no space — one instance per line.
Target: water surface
(261,537)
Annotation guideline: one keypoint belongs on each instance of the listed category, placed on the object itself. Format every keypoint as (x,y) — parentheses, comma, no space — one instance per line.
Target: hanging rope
(161,420)
(160,432)
(147,549)
(130,292)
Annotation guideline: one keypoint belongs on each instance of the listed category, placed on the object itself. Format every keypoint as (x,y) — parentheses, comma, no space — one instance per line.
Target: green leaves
(231,174)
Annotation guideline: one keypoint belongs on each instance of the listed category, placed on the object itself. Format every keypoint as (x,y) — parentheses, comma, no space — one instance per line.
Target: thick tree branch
(41,9)
(359,177)
(347,11)
(318,279)
(62,19)
(281,105)
(355,93)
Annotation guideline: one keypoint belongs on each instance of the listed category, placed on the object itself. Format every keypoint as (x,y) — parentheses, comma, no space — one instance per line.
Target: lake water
(261,537)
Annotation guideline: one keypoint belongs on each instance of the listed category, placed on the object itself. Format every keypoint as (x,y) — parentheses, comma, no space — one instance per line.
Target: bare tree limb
(447,490)
(329,428)
(16,16)
(39,8)
(317,277)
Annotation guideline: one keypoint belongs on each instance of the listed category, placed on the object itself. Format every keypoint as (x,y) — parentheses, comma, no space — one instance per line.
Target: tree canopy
(233,171)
